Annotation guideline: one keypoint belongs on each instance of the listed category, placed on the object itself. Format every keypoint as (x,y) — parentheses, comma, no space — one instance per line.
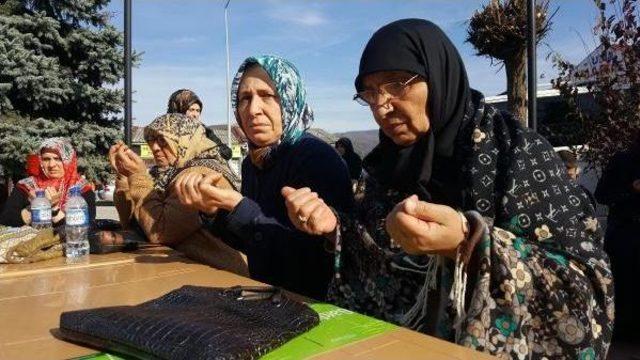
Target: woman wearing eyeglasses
(145,200)
(469,228)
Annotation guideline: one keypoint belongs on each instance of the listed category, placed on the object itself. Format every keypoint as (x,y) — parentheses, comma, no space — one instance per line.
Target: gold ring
(302,218)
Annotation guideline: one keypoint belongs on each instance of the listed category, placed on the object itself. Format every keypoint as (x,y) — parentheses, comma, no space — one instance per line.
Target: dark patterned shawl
(539,282)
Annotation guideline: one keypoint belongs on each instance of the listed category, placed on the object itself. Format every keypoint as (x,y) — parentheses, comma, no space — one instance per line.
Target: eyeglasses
(393,90)
(159,139)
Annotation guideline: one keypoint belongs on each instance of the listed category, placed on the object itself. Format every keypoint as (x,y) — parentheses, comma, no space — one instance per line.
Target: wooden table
(33,296)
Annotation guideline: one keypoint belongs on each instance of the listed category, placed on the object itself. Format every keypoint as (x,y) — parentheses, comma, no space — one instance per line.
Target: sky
(183,46)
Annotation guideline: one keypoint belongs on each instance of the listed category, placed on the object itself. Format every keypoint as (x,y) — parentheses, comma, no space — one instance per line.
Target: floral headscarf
(187,140)
(38,180)
(297,116)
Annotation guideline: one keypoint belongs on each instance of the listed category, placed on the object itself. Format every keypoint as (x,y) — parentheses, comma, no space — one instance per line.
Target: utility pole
(127,72)
(226,32)
(532,82)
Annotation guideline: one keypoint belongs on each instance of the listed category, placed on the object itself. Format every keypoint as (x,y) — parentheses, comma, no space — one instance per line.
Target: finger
(212,194)
(177,183)
(321,217)
(131,154)
(428,211)
(211,179)
(121,157)
(51,194)
(180,186)
(393,229)
(120,163)
(194,186)
(295,206)
(302,199)
(306,210)
(412,226)
(412,235)
(293,197)
(113,150)
(190,185)
(286,191)
(179,189)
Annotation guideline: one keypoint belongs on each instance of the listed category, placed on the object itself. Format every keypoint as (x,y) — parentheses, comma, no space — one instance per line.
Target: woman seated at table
(55,171)
(269,100)
(185,101)
(179,145)
(527,250)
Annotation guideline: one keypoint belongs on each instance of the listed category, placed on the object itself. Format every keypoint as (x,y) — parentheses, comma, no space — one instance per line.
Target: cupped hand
(420,227)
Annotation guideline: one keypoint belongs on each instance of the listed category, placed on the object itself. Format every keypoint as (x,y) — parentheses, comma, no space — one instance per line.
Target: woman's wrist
(233,201)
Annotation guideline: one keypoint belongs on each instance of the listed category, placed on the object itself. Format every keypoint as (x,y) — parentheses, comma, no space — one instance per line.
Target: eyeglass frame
(379,91)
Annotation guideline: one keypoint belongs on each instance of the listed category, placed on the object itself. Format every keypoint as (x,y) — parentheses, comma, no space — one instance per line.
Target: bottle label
(77,217)
(40,215)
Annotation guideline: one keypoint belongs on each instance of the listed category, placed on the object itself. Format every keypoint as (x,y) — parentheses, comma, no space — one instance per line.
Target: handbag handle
(248,293)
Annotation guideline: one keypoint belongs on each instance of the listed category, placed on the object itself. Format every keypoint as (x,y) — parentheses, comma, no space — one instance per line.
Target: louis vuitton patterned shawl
(539,283)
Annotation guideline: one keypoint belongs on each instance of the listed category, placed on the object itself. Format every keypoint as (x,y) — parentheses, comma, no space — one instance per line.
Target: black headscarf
(353,160)
(426,167)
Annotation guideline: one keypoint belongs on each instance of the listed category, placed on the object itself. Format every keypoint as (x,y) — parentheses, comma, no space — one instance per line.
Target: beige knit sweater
(165,220)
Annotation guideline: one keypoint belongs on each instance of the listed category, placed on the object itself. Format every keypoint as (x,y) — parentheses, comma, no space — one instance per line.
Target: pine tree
(60,63)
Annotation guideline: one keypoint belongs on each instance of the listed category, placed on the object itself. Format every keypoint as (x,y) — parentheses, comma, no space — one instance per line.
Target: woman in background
(54,170)
(185,101)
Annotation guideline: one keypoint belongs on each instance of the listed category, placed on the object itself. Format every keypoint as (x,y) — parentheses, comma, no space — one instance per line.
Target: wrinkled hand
(128,162)
(425,228)
(308,212)
(201,192)
(53,195)
(31,195)
(113,152)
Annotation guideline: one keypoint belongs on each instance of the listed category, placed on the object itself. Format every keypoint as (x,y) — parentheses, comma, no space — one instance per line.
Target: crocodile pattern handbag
(194,322)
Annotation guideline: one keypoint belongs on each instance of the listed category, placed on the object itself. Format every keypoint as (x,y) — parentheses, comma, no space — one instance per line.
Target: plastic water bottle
(76,227)
(40,211)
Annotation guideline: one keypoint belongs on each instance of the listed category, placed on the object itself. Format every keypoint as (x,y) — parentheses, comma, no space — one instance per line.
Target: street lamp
(127,72)
(226,41)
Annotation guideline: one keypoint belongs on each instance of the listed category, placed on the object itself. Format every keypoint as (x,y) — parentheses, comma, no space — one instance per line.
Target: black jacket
(277,252)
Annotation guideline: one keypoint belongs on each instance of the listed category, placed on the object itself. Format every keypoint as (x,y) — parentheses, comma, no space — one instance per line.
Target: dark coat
(615,189)
(353,160)
(259,226)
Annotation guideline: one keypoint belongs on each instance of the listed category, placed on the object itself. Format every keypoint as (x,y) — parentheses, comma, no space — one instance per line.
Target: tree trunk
(517,85)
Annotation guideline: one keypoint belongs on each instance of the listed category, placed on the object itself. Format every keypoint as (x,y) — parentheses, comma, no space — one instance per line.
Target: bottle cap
(74,191)
(40,193)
